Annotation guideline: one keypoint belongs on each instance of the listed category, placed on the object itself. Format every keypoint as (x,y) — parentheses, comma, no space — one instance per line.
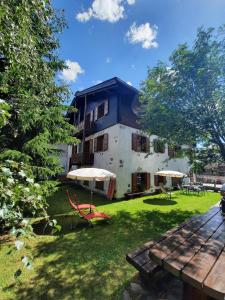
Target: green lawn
(89,263)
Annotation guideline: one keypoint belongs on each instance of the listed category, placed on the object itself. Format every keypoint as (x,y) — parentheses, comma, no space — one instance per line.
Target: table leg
(190,292)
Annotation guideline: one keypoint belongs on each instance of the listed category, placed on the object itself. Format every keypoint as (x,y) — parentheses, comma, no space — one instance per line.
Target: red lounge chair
(78,206)
(87,216)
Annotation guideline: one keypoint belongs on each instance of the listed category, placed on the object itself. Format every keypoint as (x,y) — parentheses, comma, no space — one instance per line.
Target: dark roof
(105,84)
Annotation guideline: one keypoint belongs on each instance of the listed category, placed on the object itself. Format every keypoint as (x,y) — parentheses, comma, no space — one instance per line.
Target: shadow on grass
(90,263)
(68,223)
(58,204)
(158,201)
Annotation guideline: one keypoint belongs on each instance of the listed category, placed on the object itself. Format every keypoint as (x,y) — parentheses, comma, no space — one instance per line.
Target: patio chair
(76,206)
(87,216)
(164,191)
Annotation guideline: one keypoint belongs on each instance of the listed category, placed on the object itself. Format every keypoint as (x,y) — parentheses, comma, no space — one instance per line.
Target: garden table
(195,252)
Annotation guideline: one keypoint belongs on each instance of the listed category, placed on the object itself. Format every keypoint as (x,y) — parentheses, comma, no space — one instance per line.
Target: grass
(89,263)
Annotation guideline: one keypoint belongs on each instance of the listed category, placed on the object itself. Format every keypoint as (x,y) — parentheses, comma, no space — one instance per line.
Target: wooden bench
(193,251)
(141,261)
(140,258)
(133,195)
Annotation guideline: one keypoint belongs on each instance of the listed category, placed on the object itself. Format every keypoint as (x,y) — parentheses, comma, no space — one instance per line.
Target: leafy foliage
(32,118)
(29,64)
(184,102)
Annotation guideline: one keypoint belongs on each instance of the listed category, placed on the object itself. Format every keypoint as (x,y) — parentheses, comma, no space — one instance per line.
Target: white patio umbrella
(91,174)
(169,173)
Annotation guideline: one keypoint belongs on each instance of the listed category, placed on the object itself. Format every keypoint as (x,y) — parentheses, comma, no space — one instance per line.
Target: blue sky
(107,38)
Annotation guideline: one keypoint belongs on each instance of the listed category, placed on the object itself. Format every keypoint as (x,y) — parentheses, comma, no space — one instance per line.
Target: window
(140,182)
(173,151)
(101,110)
(159,146)
(89,120)
(99,185)
(176,182)
(101,143)
(159,179)
(140,143)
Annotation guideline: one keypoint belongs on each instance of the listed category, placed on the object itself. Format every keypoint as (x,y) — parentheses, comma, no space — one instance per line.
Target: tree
(184,103)
(28,69)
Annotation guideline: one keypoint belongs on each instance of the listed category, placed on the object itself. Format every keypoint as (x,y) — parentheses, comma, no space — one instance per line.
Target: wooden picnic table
(195,252)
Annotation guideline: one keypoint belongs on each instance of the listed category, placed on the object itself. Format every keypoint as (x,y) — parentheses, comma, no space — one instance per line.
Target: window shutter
(156,180)
(95,113)
(155,144)
(164,180)
(91,146)
(134,141)
(95,144)
(170,151)
(147,145)
(91,115)
(106,107)
(105,142)
(147,181)
(134,182)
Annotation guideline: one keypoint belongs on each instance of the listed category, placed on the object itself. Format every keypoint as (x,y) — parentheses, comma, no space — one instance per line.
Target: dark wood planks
(140,258)
(201,264)
(214,285)
(142,262)
(194,250)
(164,248)
(176,260)
(151,243)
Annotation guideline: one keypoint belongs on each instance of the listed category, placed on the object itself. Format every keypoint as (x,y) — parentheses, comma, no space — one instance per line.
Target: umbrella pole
(92,184)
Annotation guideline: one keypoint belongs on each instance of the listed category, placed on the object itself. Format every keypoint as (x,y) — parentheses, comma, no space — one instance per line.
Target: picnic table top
(195,252)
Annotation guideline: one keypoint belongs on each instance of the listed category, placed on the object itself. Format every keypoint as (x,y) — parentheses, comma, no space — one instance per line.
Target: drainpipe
(84,130)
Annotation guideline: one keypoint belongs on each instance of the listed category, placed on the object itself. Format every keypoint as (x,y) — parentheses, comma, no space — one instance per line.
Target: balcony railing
(88,127)
(82,159)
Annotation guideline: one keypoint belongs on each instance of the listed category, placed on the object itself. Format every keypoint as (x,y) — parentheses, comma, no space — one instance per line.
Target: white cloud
(84,16)
(131,2)
(144,34)
(96,81)
(128,82)
(104,10)
(72,71)
(108,60)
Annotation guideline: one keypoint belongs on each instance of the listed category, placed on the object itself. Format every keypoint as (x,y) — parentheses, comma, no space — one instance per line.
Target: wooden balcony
(82,159)
(88,127)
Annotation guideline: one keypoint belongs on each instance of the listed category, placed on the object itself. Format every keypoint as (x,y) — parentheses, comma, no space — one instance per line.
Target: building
(111,139)
(214,173)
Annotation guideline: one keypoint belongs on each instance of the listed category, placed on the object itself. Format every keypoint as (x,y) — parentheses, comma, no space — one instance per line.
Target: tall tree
(184,102)
(28,67)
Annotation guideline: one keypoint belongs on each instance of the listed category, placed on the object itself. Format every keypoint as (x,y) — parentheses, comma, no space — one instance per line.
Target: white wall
(65,155)
(122,160)
(108,159)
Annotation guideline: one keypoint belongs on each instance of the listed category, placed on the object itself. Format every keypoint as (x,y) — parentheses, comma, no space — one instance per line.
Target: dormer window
(101,110)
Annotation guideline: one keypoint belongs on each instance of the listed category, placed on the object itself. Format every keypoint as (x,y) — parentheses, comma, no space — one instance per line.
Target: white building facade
(122,149)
